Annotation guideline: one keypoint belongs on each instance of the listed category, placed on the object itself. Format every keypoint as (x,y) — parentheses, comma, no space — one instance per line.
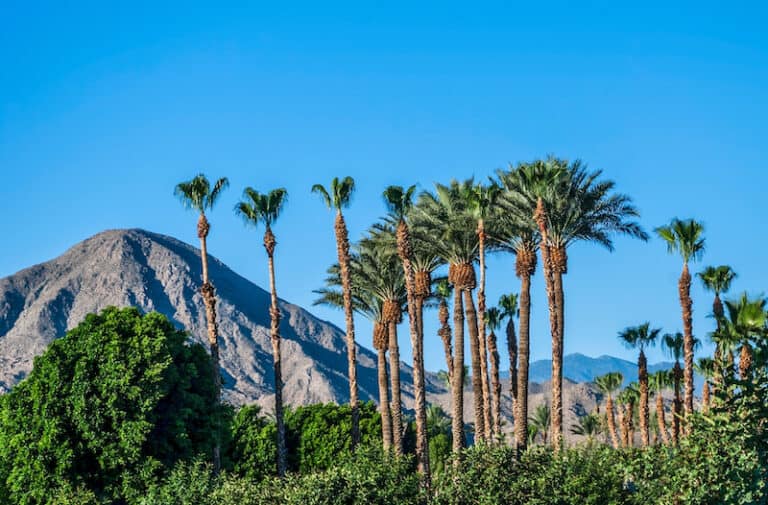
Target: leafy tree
(107,409)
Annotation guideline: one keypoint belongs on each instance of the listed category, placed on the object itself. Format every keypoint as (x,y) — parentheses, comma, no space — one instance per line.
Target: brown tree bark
(208,293)
(705,398)
(445,335)
(495,386)
(745,362)
(342,250)
(457,420)
(684,288)
(642,373)
(611,421)
(525,266)
(474,349)
(380,343)
(274,332)
(660,418)
(396,405)
(677,404)
(482,340)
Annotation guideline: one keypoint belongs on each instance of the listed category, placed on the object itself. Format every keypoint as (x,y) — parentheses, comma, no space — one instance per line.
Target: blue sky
(104,108)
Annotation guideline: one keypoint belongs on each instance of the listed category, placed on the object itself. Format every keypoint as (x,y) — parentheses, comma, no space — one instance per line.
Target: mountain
(157,272)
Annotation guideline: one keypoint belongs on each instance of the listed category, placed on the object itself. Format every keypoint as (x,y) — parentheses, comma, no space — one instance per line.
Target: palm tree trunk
(631,423)
(477,388)
(512,352)
(386,416)
(482,334)
(396,405)
(677,404)
(521,396)
(557,364)
(274,331)
(495,385)
(717,310)
(745,361)
(445,335)
(457,421)
(642,373)
(342,250)
(415,309)
(208,293)
(660,418)
(623,425)
(540,216)
(611,421)
(684,287)
(705,398)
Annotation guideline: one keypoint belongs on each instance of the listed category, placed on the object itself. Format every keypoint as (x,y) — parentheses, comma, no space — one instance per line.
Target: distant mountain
(157,272)
(580,368)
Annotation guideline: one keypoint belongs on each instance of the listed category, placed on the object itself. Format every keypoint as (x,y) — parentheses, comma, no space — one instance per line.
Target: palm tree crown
(641,336)
(197,194)
(717,279)
(340,194)
(684,237)
(264,208)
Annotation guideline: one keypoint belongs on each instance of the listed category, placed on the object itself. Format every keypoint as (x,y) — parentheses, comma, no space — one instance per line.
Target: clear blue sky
(104,108)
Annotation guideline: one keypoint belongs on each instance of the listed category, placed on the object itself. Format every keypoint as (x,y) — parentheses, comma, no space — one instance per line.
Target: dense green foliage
(105,410)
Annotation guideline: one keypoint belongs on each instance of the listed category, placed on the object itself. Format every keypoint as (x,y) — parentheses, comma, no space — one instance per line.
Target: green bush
(105,410)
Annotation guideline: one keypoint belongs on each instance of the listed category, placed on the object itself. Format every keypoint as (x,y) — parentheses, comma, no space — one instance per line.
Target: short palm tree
(588,426)
(198,194)
(659,381)
(706,368)
(674,344)
(746,322)
(337,197)
(640,337)
(717,280)
(509,310)
(399,202)
(493,318)
(265,208)
(540,421)
(608,384)
(442,293)
(628,398)
(685,238)
(482,201)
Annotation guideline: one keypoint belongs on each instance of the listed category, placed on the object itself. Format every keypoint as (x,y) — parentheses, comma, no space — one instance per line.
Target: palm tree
(608,384)
(482,200)
(628,397)
(338,198)
(587,426)
(399,202)
(518,234)
(265,208)
(197,194)
(541,421)
(493,321)
(640,337)
(685,238)
(706,368)
(442,292)
(508,308)
(584,208)
(446,218)
(659,381)
(674,344)
(746,321)
(717,280)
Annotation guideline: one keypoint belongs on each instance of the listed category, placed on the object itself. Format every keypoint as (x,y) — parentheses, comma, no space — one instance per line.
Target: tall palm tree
(508,308)
(541,421)
(706,368)
(442,293)
(338,197)
(608,384)
(659,381)
(717,280)
(197,194)
(518,233)
(482,201)
(685,238)
(640,337)
(674,345)
(493,321)
(399,202)
(584,208)
(265,208)
(445,216)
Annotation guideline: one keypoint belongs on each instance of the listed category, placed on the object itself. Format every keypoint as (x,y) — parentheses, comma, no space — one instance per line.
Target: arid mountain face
(157,272)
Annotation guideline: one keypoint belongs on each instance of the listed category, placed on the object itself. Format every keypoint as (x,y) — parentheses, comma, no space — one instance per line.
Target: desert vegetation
(123,409)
